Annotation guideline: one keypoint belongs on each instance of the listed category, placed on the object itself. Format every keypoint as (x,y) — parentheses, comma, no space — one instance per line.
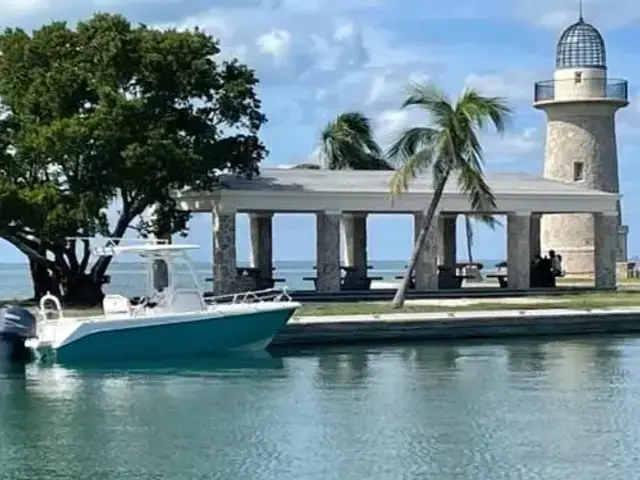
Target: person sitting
(558,266)
(536,273)
(547,278)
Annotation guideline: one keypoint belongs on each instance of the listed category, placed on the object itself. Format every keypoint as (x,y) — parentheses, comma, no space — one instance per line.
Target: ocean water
(551,409)
(130,278)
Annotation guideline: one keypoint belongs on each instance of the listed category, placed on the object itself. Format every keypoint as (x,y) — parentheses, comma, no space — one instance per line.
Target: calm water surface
(561,409)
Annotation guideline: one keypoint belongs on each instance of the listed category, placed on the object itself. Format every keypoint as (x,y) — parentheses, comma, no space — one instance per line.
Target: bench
(451,282)
(502,278)
(261,283)
(350,283)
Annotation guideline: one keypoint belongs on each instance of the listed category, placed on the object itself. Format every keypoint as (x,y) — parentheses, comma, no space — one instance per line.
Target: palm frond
(474,185)
(347,143)
(431,99)
(409,170)
(410,141)
(478,109)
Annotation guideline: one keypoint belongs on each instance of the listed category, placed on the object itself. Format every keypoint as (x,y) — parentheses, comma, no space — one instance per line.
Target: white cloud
(514,85)
(558,14)
(344,31)
(389,123)
(24,7)
(276,43)
(514,146)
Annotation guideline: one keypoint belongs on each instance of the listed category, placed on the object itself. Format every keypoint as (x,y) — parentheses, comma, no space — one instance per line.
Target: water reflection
(116,379)
(526,356)
(547,409)
(344,366)
(240,362)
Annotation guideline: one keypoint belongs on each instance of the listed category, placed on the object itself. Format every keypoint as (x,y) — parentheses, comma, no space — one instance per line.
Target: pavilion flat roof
(299,190)
(367,181)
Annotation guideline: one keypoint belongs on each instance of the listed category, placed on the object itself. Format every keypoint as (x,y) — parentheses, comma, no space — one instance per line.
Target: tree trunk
(469,232)
(43,280)
(83,290)
(398,299)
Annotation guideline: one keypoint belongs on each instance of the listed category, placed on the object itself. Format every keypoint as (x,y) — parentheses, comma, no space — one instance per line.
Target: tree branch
(102,264)
(30,251)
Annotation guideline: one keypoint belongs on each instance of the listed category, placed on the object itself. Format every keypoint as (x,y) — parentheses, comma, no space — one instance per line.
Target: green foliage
(111,111)
(347,143)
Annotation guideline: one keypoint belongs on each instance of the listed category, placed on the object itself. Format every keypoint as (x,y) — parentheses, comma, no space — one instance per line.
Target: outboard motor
(17,324)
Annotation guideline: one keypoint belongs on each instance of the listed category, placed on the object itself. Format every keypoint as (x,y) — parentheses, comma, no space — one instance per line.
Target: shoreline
(354,329)
(316,324)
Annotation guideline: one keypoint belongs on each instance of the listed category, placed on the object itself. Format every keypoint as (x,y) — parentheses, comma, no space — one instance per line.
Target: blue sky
(317,58)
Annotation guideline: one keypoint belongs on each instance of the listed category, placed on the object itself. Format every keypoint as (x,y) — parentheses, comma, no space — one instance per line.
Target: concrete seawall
(320,330)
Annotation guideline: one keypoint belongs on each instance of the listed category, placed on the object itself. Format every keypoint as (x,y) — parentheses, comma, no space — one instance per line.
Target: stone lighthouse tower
(580,104)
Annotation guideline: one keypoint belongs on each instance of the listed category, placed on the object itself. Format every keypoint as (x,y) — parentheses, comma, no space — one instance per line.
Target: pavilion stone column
(261,230)
(354,227)
(534,235)
(447,254)
(426,273)
(328,251)
(606,249)
(224,251)
(518,250)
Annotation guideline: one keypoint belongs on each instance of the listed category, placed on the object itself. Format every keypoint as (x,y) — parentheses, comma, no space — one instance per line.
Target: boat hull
(182,337)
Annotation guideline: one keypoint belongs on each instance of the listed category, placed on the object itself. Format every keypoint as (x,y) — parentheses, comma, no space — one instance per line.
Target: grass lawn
(570,301)
(586,280)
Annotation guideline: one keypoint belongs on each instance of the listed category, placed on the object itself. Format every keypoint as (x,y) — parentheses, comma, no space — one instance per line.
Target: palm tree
(468,230)
(448,146)
(489,220)
(347,143)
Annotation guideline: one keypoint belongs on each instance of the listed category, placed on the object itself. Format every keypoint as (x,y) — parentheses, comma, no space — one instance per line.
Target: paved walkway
(487,315)
(461,302)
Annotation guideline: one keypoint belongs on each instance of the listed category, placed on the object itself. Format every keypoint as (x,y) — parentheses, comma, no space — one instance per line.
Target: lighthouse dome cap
(581,46)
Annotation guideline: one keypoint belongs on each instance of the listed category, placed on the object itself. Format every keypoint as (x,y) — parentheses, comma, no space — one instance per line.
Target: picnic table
(500,276)
(351,281)
(448,278)
(250,278)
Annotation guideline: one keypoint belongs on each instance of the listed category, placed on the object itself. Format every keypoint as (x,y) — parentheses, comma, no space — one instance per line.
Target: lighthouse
(580,104)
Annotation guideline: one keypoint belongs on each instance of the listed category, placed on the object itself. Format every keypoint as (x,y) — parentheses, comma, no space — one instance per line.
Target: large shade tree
(109,112)
(448,146)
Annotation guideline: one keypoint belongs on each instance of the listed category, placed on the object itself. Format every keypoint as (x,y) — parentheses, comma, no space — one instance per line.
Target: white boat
(171,321)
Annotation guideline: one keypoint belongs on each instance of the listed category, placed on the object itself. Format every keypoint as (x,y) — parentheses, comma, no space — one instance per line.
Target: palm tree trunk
(398,299)
(469,232)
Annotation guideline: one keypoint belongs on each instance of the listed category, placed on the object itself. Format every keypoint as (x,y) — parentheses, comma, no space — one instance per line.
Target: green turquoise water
(548,410)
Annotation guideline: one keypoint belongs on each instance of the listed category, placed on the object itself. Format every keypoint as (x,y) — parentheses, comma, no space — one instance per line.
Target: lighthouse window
(578,171)
(578,77)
